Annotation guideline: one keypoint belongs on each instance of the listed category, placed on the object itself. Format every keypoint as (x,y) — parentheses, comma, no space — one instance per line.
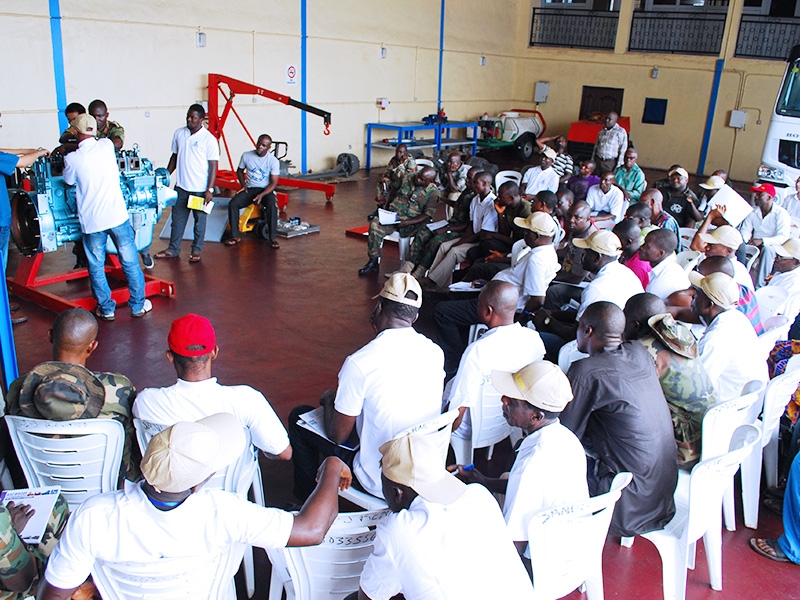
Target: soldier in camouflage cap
(59,391)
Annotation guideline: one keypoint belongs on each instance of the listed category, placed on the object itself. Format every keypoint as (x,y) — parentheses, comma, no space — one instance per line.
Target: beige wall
(140,57)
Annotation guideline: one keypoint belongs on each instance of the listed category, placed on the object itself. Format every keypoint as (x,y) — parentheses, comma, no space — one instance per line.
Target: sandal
(165,254)
(274,244)
(233,241)
(194,257)
(768,549)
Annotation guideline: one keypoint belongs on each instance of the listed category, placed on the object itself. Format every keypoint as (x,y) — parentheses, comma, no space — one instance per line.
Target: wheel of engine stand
(525,145)
(25,229)
(349,164)
(262,231)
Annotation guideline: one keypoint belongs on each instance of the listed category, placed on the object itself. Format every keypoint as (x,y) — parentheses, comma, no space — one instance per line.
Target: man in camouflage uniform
(40,393)
(400,166)
(453,177)
(105,128)
(21,565)
(415,205)
(426,242)
(686,385)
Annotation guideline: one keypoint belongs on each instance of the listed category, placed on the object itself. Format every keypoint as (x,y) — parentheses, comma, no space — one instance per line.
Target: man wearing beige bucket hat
(386,387)
(729,348)
(171,526)
(439,527)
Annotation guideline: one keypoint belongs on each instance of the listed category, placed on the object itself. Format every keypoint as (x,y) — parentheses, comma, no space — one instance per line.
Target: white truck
(780,159)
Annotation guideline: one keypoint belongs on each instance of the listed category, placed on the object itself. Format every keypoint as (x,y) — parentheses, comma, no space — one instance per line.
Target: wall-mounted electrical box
(738,119)
(540,91)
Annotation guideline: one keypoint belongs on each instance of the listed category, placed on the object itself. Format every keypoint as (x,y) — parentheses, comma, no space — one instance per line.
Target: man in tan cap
(786,275)
(542,177)
(550,466)
(613,282)
(679,200)
(440,526)
(729,348)
(171,526)
(531,273)
(722,241)
(620,415)
(386,387)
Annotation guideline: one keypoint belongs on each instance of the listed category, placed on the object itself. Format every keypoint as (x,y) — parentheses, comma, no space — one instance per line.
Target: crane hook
(327,128)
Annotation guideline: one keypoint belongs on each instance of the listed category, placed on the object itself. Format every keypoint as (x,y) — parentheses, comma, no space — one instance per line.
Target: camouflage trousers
(14,555)
(426,243)
(377,232)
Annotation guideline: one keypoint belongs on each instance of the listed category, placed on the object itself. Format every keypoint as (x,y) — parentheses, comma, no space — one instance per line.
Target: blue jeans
(95,243)
(5,233)
(180,215)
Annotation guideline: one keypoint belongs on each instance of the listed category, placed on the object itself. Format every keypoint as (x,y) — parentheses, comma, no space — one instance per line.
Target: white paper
(463,286)
(208,207)
(387,217)
(437,225)
(314,421)
(42,500)
(736,207)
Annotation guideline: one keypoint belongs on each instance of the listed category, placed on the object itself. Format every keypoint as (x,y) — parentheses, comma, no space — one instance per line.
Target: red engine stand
(27,284)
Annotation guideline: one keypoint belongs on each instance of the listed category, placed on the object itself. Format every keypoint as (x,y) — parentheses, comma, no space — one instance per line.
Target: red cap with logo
(764,187)
(192,335)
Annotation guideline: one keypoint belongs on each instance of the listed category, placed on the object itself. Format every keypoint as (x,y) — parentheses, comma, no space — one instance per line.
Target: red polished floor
(285,321)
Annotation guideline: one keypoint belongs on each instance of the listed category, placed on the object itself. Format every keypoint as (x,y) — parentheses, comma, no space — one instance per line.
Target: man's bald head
(653,198)
(74,335)
(641,213)
(716,264)
(497,303)
(426,175)
(638,309)
(606,318)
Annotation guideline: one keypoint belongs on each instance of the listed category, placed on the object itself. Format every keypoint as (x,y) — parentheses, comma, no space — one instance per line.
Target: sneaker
(103,316)
(147,260)
(148,306)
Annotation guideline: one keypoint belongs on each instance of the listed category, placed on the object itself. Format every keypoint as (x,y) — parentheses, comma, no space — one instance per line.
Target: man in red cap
(192,348)
(766,227)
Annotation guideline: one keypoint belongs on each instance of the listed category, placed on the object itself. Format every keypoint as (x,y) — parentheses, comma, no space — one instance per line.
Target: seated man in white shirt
(534,267)
(543,177)
(391,384)
(192,349)
(786,275)
(666,276)
(438,528)
(168,526)
(766,227)
(606,201)
(729,349)
(506,346)
(550,467)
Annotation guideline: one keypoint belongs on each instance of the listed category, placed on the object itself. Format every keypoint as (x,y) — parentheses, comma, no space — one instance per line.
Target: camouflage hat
(676,336)
(59,391)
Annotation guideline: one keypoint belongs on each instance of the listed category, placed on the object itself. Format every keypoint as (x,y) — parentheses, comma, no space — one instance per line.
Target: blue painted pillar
(303,85)
(441,57)
(712,107)
(58,63)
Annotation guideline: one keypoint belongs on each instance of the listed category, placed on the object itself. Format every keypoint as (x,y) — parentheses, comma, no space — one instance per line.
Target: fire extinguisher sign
(292,74)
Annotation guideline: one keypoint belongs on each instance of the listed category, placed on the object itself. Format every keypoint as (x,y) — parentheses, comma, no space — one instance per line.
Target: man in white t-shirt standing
(93,170)
(195,154)
(258,175)
(388,386)
(192,348)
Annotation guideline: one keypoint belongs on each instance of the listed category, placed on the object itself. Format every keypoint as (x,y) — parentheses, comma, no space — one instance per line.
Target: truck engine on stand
(44,216)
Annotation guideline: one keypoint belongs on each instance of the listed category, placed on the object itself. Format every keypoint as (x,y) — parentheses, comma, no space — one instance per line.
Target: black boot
(372,266)
(372,215)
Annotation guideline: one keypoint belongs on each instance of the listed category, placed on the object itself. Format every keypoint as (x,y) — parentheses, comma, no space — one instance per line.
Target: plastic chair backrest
(489,426)
(687,234)
(775,328)
(771,300)
(776,397)
(423,162)
(751,254)
(569,539)
(712,476)
(83,459)
(438,428)
(722,420)
(130,581)
(333,568)
(144,431)
(475,332)
(688,259)
(503,176)
(568,354)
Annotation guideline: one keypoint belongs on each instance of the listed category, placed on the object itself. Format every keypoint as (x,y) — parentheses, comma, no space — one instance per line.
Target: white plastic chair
(775,328)
(489,426)
(135,581)
(503,176)
(687,235)
(403,243)
(568,354)
(424,162)
(330,570)
(776,397)
(567,548)
(439,428)
(698,516)
(771,300)
(238,478)
(84,459)
(475,332)
(794,228)
(688,259)
(751,254)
